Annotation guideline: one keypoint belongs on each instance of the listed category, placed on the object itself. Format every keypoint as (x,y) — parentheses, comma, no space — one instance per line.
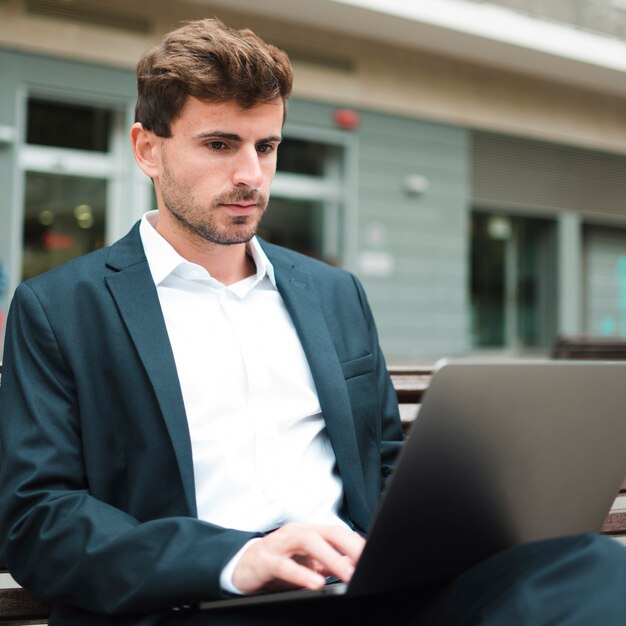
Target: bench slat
(588,347)
(410,382)
(615,523)
(19,604)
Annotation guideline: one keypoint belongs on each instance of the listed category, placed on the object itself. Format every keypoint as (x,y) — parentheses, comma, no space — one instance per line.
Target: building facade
(475,184)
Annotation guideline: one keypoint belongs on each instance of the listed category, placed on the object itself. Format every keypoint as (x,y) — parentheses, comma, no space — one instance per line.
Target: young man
(193,412)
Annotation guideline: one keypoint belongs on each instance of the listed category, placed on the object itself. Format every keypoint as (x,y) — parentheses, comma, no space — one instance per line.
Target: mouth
(240,208)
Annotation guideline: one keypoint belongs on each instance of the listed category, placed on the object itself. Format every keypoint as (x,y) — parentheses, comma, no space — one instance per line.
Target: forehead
(204,116)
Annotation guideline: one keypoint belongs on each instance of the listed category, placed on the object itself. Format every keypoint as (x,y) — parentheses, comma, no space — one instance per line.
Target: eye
(265,148)
(217,145)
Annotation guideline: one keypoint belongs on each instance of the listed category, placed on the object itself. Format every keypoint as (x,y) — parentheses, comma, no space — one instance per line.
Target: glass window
(295,224)
(63,125)
(305,212)
(298,156)
(513,281)
(64,217)
(488,280)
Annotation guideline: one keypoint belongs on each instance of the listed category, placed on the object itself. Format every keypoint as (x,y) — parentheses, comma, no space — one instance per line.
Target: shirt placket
(258,413)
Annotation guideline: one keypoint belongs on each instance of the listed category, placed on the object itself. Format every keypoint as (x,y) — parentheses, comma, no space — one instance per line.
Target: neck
(227,264)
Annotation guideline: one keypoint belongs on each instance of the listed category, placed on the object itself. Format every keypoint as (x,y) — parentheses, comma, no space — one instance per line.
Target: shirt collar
(264,266)
(163,260)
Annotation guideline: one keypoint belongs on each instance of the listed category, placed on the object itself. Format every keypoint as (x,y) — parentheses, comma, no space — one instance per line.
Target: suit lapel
(135,294)
(306,313)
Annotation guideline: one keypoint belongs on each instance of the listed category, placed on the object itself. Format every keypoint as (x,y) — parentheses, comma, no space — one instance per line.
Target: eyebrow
(234,137)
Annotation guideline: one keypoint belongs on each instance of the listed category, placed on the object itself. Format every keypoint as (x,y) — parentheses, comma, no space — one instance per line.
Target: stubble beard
(201,221)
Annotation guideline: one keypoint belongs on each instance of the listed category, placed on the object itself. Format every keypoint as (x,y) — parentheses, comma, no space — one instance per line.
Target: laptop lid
(500,454)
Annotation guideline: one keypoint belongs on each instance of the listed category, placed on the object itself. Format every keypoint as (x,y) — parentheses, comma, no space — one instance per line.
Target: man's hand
(298,555)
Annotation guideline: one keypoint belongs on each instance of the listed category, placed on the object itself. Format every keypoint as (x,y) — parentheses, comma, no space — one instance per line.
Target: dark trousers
(572,581)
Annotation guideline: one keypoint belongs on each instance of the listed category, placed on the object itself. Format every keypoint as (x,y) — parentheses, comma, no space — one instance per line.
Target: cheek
(204,178)
(269,171)
(193,164)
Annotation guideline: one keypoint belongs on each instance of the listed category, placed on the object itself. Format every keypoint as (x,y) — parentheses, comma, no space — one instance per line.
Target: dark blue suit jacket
(97,500)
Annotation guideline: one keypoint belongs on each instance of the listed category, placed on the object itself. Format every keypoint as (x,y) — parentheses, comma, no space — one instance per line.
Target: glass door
(307,200)
(513,282)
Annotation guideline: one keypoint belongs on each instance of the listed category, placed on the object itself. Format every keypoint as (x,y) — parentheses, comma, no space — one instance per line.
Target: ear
(146,149)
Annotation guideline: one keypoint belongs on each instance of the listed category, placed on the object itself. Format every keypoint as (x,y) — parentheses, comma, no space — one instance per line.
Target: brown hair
(210,61)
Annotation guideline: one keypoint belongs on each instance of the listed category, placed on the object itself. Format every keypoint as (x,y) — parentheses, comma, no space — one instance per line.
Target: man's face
(216,169)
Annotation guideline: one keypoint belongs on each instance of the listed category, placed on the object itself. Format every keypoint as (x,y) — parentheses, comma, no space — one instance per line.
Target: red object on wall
(56,241)
(347,119)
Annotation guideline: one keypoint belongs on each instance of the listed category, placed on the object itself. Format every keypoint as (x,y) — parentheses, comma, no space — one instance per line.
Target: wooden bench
(19,607)
(588,347)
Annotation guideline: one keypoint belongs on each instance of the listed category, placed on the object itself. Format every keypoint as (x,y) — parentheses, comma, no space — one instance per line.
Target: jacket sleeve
(392,436)
(60,541)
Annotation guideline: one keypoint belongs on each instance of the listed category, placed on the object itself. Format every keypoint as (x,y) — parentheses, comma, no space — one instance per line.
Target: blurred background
(465,158)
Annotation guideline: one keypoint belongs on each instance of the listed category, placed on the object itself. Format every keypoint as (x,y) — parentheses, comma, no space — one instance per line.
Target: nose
(248,170)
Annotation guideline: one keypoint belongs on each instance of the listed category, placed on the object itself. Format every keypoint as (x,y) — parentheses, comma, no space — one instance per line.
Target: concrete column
(570,288)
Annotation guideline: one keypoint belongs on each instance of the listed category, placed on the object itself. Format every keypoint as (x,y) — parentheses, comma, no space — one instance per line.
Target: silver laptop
(502,453)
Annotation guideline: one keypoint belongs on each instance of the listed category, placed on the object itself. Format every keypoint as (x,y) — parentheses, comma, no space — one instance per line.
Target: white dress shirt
(261,453)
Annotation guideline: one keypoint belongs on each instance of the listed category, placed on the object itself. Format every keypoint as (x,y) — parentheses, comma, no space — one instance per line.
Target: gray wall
(421,307)
(418,243)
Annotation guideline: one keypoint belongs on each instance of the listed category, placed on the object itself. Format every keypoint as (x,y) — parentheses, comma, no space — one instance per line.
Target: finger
(316,548)
(313,564)
(288,570)
(345,541)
